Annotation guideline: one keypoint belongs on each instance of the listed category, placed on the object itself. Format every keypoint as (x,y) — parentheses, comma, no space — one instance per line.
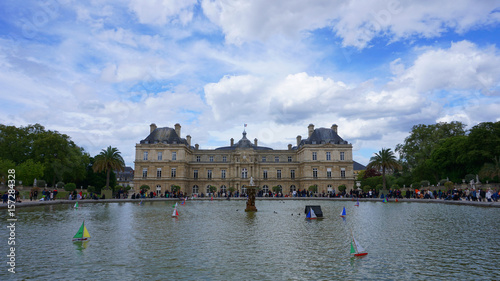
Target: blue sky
(102,71)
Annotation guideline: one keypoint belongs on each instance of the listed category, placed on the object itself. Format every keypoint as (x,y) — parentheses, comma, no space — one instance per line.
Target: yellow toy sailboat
(82,234)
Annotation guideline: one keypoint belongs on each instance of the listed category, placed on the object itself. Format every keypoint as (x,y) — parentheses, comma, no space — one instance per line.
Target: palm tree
(384,159)
(109,159)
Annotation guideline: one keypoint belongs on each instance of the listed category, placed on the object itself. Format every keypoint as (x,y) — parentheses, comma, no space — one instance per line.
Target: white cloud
(356,22)
(161,12)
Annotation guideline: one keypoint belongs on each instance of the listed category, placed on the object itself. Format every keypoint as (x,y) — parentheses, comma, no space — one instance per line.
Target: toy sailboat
(356,249)
(82,234)
(175,213)
(76,205)
(311,215)
(343,213)
(357,203)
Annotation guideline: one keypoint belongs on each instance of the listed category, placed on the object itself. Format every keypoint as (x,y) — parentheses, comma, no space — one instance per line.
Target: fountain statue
(251,190)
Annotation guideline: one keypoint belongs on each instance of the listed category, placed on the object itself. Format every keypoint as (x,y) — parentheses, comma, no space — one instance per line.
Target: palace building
(164,159)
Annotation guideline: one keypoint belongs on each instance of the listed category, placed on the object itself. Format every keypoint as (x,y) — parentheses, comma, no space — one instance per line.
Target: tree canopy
(108,160)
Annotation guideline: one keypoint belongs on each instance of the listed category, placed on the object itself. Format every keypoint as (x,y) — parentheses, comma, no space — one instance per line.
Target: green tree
(276,189)
(383,160)
(212,189)
(145,187)
(422,141)
(491,171)
(5,165)
(313,188)
(108,160)
(28,171)
(70,187)
(342,187)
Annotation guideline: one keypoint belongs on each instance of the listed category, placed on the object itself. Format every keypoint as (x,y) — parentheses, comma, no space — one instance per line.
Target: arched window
(293,188)
(223,189)
(244,173)
(243,189)
(158,189)
(329,188)
(195,189)
(208,189)
(281,188)
(265,189)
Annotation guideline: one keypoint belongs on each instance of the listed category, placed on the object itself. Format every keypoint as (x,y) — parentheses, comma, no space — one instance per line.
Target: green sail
(79,233)
(353,251)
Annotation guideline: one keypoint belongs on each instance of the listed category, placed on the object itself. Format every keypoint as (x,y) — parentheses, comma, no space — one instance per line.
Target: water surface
(217,240)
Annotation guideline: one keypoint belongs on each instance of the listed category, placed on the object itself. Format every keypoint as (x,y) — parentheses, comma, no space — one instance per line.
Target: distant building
(357,168)
(164,159)
(126,177)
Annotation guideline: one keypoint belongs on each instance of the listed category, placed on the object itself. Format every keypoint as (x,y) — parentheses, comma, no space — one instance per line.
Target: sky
(102,71)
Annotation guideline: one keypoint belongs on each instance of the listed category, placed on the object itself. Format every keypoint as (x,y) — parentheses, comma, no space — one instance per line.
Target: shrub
(90,189)
(41,183)
(366,188)
(395,186)
(415,185)
(313,188)
(276,189)
(469,177)
(60,185)
(212,189)
(448,185)
(379,187)
(342,187)
(70,187)
(144,187)
(424,183)
(128,187)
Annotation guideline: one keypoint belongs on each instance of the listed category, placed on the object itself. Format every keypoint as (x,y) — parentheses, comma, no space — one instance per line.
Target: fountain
(251,190)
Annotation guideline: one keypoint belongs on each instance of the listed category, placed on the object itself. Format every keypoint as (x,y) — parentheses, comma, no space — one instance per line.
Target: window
(195,174)
(276,159)
(293,188)
(292,174)
(145,172)
(223,174)
(160,155)
(208,189)
(263,158)
(328,172)
(289,158)
(328,156)
(158,172)
(315,172)
(198,158)
(174,155)
(224,159)
(196,189)
(265,189)
(211,159)
(342,172)
(315,156)
(145,156)
(278,174)
(244,173)
(223,189)
(209,174)
(342,156)
(158,189)
(174,172)
(264,175)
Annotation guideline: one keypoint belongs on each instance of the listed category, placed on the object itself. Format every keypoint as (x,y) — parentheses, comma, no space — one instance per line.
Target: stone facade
(164,159)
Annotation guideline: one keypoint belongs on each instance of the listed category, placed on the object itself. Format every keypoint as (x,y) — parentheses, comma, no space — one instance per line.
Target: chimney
(196,146)
(255,141)
(178,129)
(188,138)
(310,130)
(299,139)
(289,146)
(232,141)
(334,128)
(152,127)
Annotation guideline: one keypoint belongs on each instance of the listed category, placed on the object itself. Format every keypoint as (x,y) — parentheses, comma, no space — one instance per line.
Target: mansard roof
(244,143)
(164,135)
(322,136)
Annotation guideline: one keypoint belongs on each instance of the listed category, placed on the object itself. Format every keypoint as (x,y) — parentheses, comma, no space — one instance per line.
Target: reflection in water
(219,241)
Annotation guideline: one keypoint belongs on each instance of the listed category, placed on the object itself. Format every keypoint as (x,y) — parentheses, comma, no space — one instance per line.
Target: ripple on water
(219,241)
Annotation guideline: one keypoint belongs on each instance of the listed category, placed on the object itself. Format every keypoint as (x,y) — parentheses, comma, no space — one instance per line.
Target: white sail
(358,247)
(313,214)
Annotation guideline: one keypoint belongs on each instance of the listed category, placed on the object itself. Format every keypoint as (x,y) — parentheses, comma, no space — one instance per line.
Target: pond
(217,240)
